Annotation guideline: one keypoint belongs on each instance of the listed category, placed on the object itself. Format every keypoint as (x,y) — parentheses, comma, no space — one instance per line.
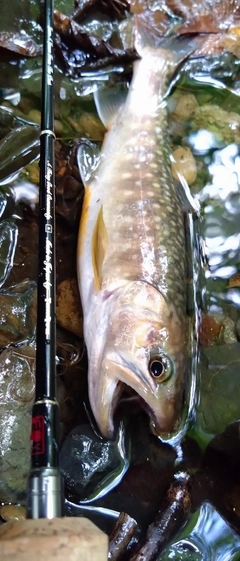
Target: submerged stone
(91,465)
(219,403)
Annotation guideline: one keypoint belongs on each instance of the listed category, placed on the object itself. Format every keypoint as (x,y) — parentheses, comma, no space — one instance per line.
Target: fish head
(144,348)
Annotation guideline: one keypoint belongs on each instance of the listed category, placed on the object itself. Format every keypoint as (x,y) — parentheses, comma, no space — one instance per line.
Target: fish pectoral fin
(99,246)
(189,203)
(88,159)
(109,100)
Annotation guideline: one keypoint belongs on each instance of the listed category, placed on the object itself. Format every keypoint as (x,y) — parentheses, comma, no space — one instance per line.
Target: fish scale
(132,257)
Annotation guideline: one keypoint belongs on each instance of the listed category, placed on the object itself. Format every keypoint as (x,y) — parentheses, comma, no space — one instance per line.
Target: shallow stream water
(132,473)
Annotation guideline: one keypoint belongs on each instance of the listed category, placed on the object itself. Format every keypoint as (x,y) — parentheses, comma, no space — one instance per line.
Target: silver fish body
(132,259)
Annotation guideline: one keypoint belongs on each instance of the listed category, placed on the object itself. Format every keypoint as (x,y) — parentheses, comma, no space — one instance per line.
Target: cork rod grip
(58,539)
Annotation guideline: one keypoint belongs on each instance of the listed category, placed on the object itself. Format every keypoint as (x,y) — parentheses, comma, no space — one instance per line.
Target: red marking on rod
(38,435)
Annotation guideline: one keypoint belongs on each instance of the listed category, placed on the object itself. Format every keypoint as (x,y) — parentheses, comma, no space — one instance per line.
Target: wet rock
(217,329)
(8,241)
(196,542)
(87,125)
(3,203)
(35,116)
(219,391)
(17,382)
(185,107)
(234,281)
(91,465)
(229,333)
(26,256)
(32,172)
(231,41)
(220,468)
(18,313)
(78,49)
(226,126)
(7,121)
(70,188)
(19,43)
(116,8)
(17,391)
(210,329)
(151,471)
(18,148)
(238,329)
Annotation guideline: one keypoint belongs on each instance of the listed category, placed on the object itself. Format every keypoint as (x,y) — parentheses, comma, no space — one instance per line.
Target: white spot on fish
(166,232)
(126,175)
(127,219)
(158,130)
(153,165)
(129,156)
(151,142)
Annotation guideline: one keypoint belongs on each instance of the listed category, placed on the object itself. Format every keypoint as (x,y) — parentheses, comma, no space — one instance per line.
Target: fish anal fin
(109,101)
(99,246)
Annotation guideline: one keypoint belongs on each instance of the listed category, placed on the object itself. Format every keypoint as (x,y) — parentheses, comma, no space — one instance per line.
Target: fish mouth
(129,382)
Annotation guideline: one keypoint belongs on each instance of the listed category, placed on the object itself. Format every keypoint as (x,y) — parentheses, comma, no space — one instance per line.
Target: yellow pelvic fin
(84,219)
(99,246)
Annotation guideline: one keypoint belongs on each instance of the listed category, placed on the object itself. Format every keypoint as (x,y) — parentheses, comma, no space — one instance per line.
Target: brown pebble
(9,512)
(209,330)
(61,171)
(234,281)
(186,106)
(69,309)
(184,164)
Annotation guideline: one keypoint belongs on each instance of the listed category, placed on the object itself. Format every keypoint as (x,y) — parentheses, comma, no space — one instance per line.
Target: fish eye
(160,367)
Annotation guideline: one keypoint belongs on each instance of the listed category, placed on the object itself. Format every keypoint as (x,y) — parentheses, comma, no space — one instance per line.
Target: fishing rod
(46,531)
(45,489)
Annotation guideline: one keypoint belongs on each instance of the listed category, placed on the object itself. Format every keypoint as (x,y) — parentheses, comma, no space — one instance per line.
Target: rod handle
(58,539)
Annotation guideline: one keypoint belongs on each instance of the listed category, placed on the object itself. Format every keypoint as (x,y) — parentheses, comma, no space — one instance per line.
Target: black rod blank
(46,330)
(44,493)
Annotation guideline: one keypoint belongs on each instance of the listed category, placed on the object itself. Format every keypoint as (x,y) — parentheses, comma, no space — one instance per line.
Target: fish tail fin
(165,53)
(150,38)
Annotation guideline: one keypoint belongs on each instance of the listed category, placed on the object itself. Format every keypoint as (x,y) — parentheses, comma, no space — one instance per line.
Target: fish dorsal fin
(109,102)
(99,246)
(88,159)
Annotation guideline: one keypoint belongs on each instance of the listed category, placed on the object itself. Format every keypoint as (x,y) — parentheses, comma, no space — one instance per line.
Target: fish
(131,256)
